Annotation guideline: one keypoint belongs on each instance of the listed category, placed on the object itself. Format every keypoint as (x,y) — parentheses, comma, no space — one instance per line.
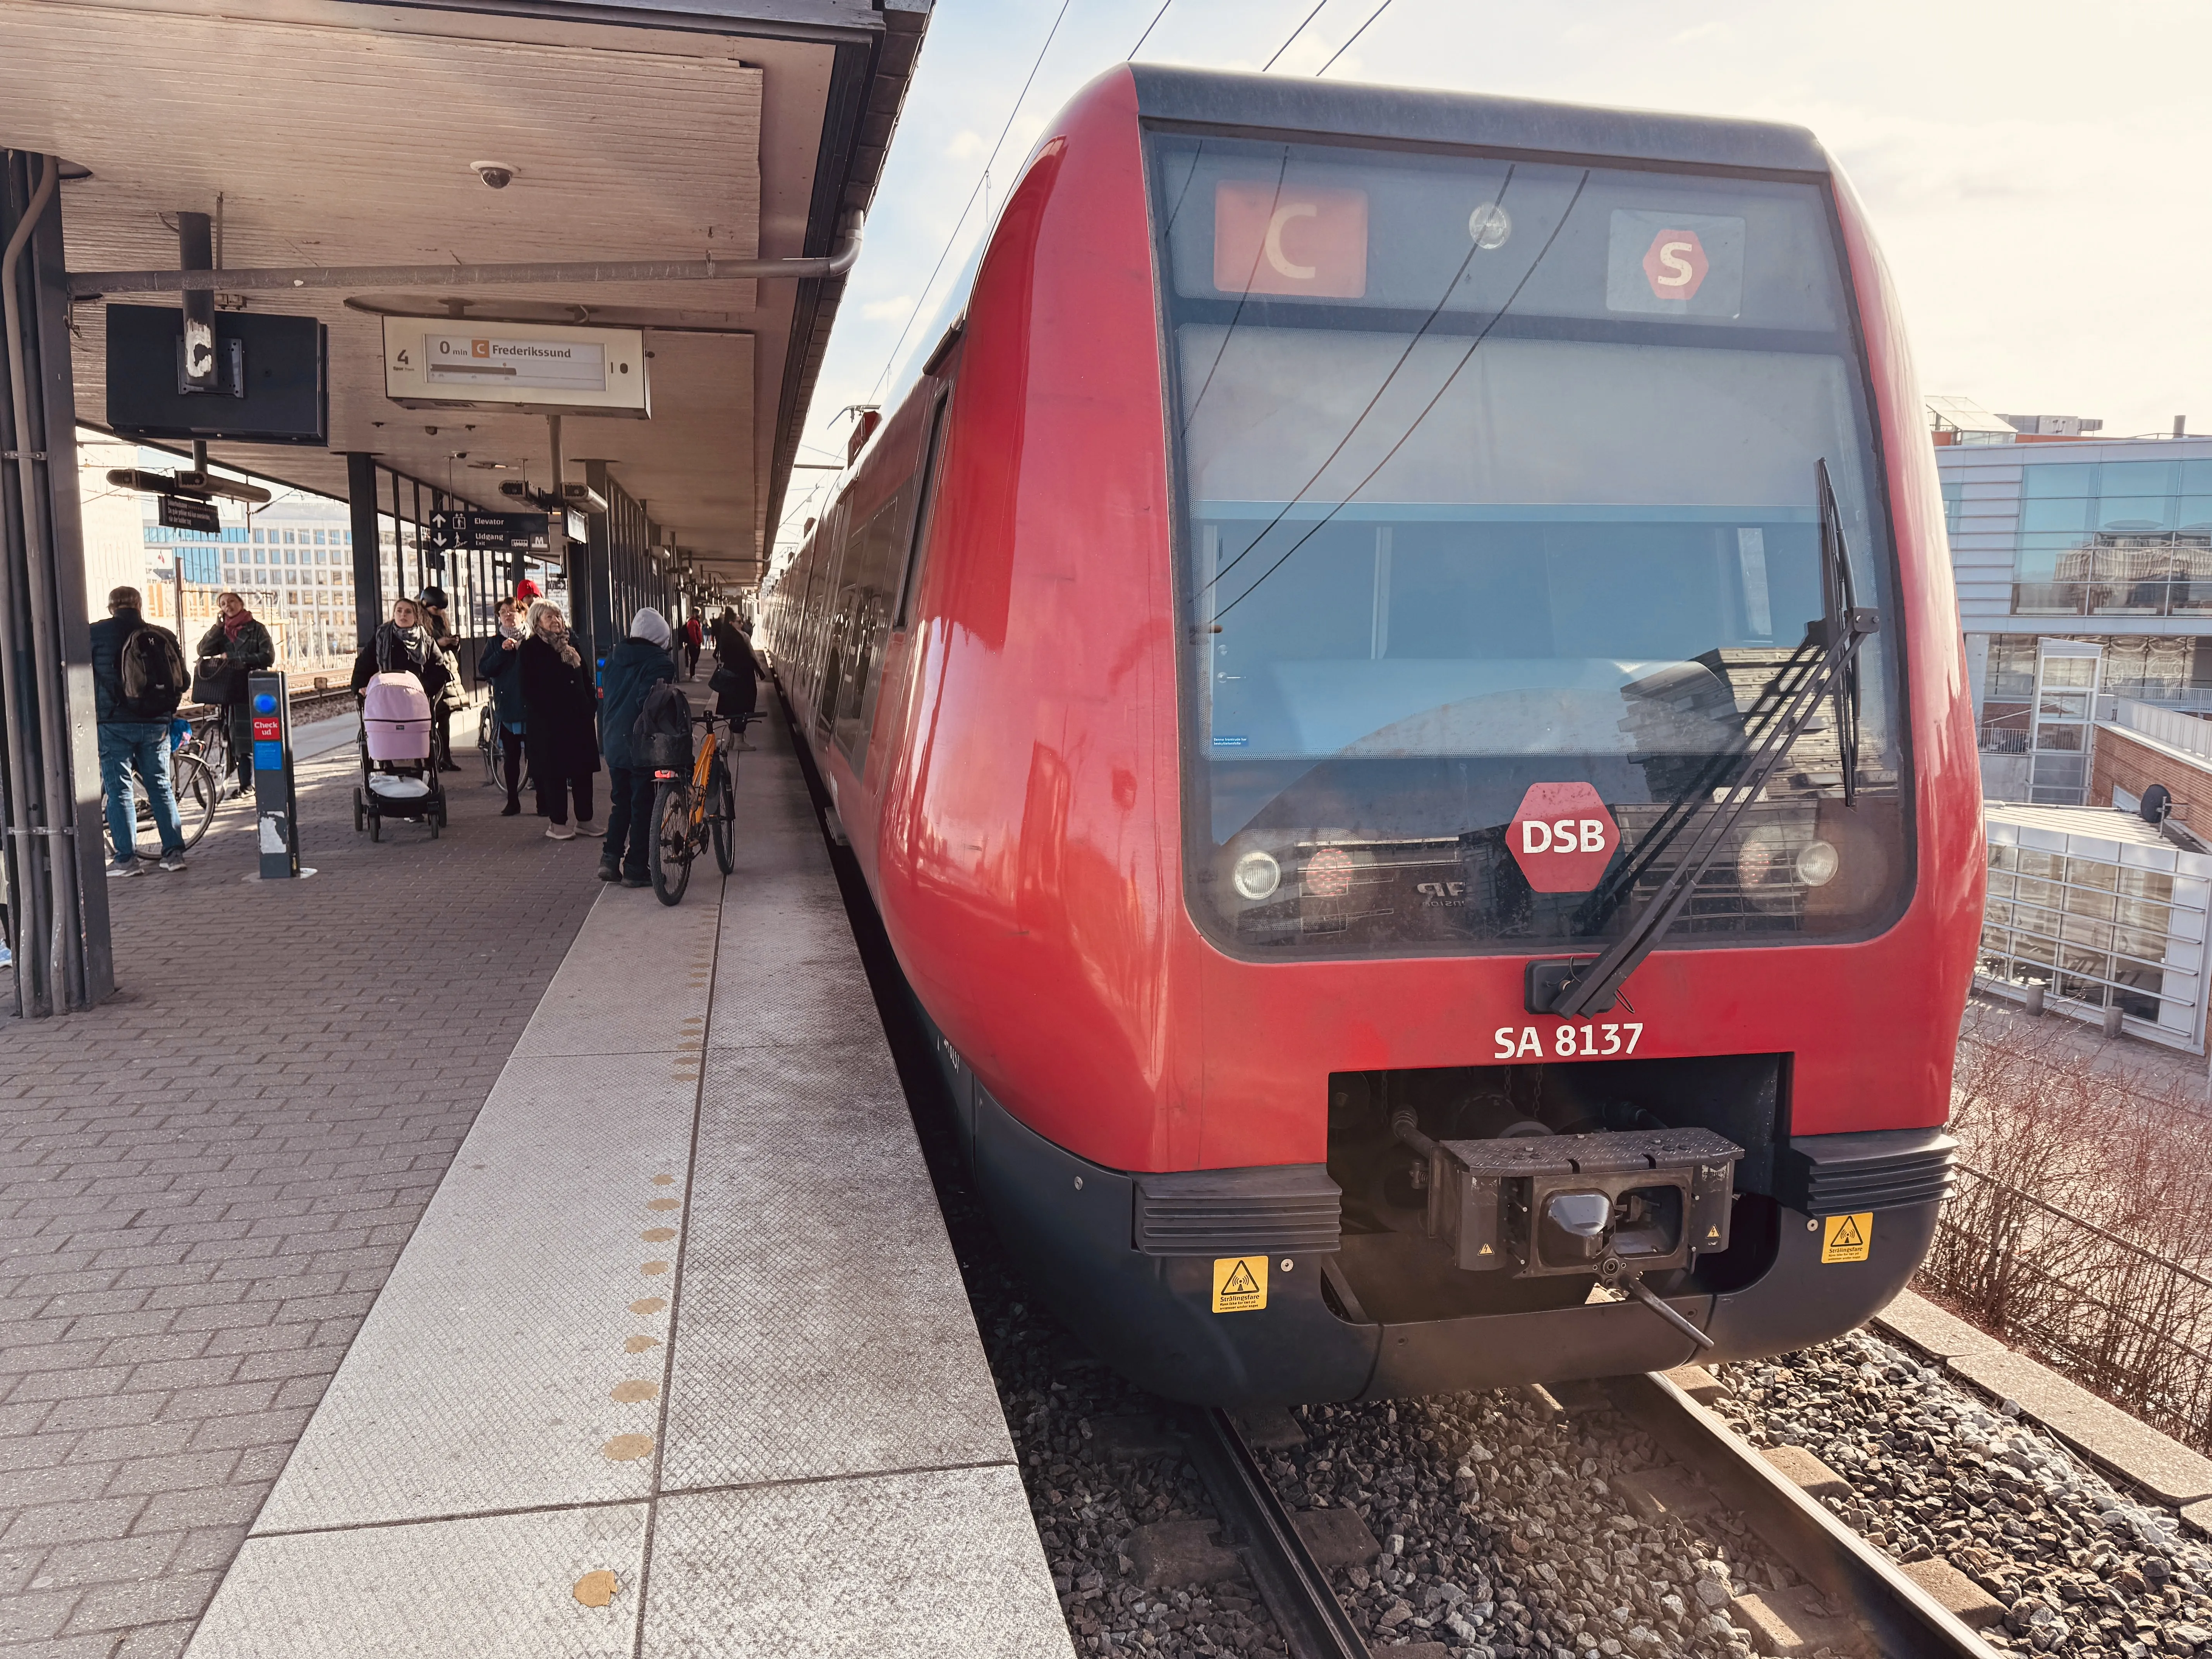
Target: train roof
(1283,103)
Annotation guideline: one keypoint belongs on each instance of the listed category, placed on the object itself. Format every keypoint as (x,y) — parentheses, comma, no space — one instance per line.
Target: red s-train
(1391,671)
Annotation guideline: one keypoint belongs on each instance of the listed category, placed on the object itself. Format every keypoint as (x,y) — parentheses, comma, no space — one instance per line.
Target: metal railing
(2004,740)
(2170,726)
(2124,1323)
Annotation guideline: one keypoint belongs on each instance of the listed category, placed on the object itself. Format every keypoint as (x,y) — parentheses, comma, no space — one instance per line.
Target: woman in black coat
(563,736)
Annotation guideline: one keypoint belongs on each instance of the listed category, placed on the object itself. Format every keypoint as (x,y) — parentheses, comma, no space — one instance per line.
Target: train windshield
(1497,475)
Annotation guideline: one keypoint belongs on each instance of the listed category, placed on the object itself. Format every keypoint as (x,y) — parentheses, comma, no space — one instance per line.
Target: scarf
(562,648)
(235,625)
(507,631)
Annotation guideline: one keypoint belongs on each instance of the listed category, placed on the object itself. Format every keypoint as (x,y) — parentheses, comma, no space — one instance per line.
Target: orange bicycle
(686,812)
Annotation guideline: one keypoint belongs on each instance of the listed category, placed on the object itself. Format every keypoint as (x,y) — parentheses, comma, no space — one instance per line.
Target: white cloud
(875,310)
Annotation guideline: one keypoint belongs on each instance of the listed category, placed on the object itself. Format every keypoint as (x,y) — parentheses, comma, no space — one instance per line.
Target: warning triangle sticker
(1240,1282)
(1847,1236)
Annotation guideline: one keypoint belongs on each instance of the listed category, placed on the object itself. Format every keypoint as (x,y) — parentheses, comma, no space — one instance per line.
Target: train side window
(917,543)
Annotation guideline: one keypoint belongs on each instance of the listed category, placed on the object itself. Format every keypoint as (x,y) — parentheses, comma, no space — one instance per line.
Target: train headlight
(1818,862)
(1256,875)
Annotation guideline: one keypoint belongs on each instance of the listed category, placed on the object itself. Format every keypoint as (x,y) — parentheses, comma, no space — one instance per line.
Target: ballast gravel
(1936,1470)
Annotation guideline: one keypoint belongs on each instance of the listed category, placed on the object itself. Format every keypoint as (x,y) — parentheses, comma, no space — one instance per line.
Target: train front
(1578,808)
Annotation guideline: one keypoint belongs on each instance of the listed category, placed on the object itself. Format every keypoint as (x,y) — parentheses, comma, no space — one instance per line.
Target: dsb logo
(1562,837)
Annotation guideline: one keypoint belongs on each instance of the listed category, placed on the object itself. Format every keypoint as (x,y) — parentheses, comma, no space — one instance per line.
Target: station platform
(677,1361)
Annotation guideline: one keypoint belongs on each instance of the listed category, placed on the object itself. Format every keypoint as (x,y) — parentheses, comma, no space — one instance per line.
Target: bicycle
(487,745)
(686,814)
(198,792)
(211,740)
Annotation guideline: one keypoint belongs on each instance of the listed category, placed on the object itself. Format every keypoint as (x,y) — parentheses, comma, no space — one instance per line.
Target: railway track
(1902,1619)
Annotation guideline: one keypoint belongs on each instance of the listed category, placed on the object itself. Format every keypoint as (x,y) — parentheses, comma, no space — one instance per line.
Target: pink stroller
(397,778)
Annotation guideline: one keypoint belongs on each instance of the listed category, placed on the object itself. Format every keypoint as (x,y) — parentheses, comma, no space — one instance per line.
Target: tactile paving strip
(854,1316)
(484,1378)
(664,958)
(939,1563)
(495,1587)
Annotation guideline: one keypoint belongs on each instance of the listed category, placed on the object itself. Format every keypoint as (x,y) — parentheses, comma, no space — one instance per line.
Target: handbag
(216,685)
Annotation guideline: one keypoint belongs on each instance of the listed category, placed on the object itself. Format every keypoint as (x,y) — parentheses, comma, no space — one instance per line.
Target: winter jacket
(562,739)
(107,662)
(497,668)
(634,667)
(735,681)
(251,650)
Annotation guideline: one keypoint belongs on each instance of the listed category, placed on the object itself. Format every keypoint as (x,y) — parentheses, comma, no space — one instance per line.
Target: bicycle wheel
(487,745)
(672,847)
(198,792)
(722,809)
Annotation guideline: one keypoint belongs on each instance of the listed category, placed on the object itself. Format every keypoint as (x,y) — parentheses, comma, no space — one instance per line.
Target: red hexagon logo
(1562,837)
(1675,263)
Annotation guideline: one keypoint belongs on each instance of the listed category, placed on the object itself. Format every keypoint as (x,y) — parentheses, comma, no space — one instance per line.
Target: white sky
(2035,172)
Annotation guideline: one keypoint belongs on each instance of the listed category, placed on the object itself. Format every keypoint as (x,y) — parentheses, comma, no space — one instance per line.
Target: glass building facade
(2115,539)
(2103,912)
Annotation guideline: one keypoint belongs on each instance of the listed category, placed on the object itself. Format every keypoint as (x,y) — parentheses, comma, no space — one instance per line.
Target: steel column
(54,848)
(368,568)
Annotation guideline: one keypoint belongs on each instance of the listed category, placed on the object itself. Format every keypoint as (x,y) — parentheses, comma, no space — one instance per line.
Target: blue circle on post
(264,704)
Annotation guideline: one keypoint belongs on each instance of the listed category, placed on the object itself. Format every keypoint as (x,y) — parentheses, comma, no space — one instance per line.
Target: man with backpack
(138,679)
(635,667)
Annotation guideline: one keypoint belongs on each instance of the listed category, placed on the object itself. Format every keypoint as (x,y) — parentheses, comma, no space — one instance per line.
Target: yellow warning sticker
(1240,1283)
(1847,1238)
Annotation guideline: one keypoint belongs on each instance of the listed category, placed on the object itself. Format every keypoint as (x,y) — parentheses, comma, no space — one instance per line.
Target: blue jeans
(144,746)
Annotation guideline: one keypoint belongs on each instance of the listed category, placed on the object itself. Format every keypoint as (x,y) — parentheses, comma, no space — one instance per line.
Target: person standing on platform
(138,679)
(236,646)
(561,705)
(449,695)
(498,668)
(634,666)
(397,646)
(694,637)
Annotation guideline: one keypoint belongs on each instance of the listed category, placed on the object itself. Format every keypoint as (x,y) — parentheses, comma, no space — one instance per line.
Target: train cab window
(1496,473)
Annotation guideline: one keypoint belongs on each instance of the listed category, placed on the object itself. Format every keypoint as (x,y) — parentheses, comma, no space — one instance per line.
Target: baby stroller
(398,779)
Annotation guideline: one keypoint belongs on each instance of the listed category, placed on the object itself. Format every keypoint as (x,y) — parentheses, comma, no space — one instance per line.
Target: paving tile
(174,1159)
(954,1566)
(502,1587)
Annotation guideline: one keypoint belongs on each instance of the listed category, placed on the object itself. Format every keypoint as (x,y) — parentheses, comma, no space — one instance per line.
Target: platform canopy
(340,133)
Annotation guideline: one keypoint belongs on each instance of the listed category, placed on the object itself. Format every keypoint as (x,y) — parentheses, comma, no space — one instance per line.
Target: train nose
(1575,1226)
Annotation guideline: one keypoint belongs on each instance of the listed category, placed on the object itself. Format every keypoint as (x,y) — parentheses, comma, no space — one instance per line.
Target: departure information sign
(542,365)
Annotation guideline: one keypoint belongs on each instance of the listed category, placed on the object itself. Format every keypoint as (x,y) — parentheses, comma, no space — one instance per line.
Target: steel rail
(1907,1622)
(1312,1620)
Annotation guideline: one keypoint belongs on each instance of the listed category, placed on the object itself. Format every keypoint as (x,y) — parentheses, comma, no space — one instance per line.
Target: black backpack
(660,735)
(151,673)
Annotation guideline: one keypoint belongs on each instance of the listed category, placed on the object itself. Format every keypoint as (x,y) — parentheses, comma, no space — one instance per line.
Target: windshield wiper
(1575,986)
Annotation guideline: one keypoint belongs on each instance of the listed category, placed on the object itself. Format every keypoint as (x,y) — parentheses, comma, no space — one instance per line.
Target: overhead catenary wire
(1149,27)
(1329,517)
(1291,38)
(1355,36)
(1505,188)
(922,298)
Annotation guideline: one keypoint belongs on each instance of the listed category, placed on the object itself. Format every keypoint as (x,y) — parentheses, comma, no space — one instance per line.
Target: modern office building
(291,561)
(2084,569)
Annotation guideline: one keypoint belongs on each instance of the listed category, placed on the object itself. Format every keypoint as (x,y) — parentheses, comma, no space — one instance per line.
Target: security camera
(497,174)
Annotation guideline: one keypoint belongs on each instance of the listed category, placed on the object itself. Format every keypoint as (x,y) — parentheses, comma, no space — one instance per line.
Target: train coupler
(1614,1203)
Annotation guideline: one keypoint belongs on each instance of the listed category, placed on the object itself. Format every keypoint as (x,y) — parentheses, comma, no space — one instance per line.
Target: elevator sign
(1562,837)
